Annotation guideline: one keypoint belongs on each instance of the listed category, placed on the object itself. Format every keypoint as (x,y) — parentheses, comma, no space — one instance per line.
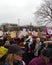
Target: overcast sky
(12,10)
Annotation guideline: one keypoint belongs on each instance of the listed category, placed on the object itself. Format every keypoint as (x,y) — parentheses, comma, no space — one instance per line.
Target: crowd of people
(26,50)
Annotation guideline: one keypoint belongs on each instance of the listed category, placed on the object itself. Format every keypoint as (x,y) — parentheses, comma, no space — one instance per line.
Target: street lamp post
(18,24)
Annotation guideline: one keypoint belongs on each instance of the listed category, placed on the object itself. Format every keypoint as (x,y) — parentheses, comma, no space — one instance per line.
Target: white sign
(49,31)
(1,33)
(24,29)
(35,33)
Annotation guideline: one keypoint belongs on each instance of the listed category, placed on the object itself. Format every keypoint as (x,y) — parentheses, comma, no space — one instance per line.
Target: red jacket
(37,61)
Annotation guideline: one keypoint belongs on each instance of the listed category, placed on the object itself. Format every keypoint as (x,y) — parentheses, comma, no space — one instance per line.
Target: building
(9,27)
(16,27)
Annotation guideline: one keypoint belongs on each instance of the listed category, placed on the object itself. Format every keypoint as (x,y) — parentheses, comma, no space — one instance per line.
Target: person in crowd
(29,39)
(6,38)
(37,47)
(43,45)
(50,62)
(7,44)
(49,45)
(17,41)
(1,42)
(12,41)
(32,47)
(43,59)
(14,56)
(34,51)
(28,54)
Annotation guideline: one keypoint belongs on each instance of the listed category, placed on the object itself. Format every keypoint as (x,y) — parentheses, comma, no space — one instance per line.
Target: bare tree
(44,13)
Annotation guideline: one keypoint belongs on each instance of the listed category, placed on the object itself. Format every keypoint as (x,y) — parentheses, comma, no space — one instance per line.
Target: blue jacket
(6,63)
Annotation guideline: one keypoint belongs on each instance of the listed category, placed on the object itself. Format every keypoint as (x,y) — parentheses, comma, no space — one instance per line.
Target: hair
(10,59)
(45,52)
(50,59)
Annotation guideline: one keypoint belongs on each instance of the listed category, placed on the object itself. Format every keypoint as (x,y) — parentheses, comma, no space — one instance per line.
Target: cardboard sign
(3,51)
(12,34)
